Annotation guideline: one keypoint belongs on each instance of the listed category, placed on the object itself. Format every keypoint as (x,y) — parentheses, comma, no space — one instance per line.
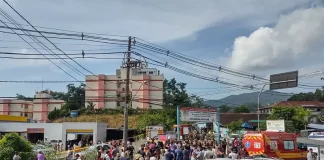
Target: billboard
(284,80)
(198,114)
(276,125)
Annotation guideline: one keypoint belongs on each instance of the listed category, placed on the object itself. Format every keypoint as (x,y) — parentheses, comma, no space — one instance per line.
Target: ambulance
(273,144)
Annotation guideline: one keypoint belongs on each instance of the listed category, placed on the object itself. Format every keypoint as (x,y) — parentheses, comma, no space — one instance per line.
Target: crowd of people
(197,145)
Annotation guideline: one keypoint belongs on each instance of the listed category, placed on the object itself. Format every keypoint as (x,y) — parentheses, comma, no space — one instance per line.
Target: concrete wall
(52,131)
(81,126)
(57,131)
(102,132)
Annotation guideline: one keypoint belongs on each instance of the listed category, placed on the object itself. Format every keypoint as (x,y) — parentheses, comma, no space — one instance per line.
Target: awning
(256,121)
(246,125)
(310,141)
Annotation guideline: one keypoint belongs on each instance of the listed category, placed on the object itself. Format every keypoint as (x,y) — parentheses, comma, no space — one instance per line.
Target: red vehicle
(273,144)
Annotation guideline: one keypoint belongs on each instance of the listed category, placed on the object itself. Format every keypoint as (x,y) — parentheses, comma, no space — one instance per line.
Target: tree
(310,96)
(301,118)
(175,94)
(90,105)
(75,95)
(234,126)
(296,118)
(20,97)
(252,106)
(12,142)
(241,109)
(224,108)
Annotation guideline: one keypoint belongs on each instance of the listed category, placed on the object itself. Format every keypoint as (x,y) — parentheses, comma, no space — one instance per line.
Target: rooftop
(227,118)
(308,104)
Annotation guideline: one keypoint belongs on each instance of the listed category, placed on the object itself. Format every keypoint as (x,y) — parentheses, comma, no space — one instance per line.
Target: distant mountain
(248,98)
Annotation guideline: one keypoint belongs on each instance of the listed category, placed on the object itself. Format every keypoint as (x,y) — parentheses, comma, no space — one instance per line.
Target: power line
(71,54)
(43,55)
(40,58)
(75,31)
(42,45)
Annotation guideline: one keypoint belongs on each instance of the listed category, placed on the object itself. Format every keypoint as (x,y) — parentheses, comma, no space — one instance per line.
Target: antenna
(42,83)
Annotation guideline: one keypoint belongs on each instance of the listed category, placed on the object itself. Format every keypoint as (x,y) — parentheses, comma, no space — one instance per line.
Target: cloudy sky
(250,36)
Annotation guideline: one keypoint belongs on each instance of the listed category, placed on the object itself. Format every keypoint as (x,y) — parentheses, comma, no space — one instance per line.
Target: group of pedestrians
(40,156)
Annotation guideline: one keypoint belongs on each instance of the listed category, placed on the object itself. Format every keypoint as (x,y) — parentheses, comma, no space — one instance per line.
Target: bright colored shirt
(40,156)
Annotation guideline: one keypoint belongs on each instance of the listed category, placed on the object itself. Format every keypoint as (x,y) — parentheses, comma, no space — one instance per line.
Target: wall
(57,131)
(52,131)
(102,132)
(81,125)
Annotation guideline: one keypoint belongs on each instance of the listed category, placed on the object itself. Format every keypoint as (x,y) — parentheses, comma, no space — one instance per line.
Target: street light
(258,112)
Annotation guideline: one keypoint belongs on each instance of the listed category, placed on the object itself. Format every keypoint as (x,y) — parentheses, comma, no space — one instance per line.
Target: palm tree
(91,105)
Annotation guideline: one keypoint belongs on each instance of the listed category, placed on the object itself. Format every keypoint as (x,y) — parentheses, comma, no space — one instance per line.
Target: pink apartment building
(36,109)
(108,91)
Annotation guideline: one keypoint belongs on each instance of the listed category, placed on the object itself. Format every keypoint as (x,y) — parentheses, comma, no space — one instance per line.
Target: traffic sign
(284,80)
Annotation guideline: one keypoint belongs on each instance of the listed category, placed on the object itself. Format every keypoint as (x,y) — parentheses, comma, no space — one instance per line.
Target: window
(26,106)
(21,114)
(26,115)
(118,103)
(289,145)
(150,72)
(123,89)
(273,145)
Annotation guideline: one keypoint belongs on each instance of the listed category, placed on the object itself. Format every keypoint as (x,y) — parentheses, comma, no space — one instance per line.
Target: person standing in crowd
(310,154)
(178,153)
(243,153)
(130,149)
(40,156)
(209,154)
(186,153)
(232,155)
(16,156)
(168,155)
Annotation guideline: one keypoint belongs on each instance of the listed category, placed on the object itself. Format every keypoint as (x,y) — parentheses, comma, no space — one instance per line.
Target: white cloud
(295,41)
(157,21)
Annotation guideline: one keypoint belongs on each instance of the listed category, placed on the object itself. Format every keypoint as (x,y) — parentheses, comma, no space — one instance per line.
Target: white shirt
(309,156)
(233,155)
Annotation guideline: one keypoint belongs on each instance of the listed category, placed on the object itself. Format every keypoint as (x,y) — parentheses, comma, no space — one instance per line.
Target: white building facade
(108,91)
(57,131)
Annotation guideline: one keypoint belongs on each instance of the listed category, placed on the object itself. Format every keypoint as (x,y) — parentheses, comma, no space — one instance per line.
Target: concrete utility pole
(128,66)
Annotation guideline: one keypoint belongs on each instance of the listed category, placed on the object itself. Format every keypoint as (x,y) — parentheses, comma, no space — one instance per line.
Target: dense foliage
(241,109)
(318,95)
(296,118)
(235,126)
(12,142)
(224,108)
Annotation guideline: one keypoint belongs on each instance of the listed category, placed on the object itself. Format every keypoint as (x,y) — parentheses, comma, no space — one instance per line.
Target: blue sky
(233,34)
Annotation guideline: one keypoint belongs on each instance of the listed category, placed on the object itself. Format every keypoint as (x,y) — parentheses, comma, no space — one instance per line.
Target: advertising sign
(198,114)
(276,125)
(35,130)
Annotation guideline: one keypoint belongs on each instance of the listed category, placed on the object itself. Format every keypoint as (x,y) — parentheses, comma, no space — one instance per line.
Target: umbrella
(246,125)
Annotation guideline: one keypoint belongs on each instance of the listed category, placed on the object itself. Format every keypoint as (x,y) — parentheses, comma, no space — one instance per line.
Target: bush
(7,153)
(12,142)
(28,155)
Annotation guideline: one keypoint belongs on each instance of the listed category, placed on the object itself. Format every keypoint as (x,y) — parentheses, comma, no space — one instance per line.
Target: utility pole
(128,67)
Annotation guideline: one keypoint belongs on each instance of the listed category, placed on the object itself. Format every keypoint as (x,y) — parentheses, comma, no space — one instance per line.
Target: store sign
(198,115)
(276,125)
(35,130)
